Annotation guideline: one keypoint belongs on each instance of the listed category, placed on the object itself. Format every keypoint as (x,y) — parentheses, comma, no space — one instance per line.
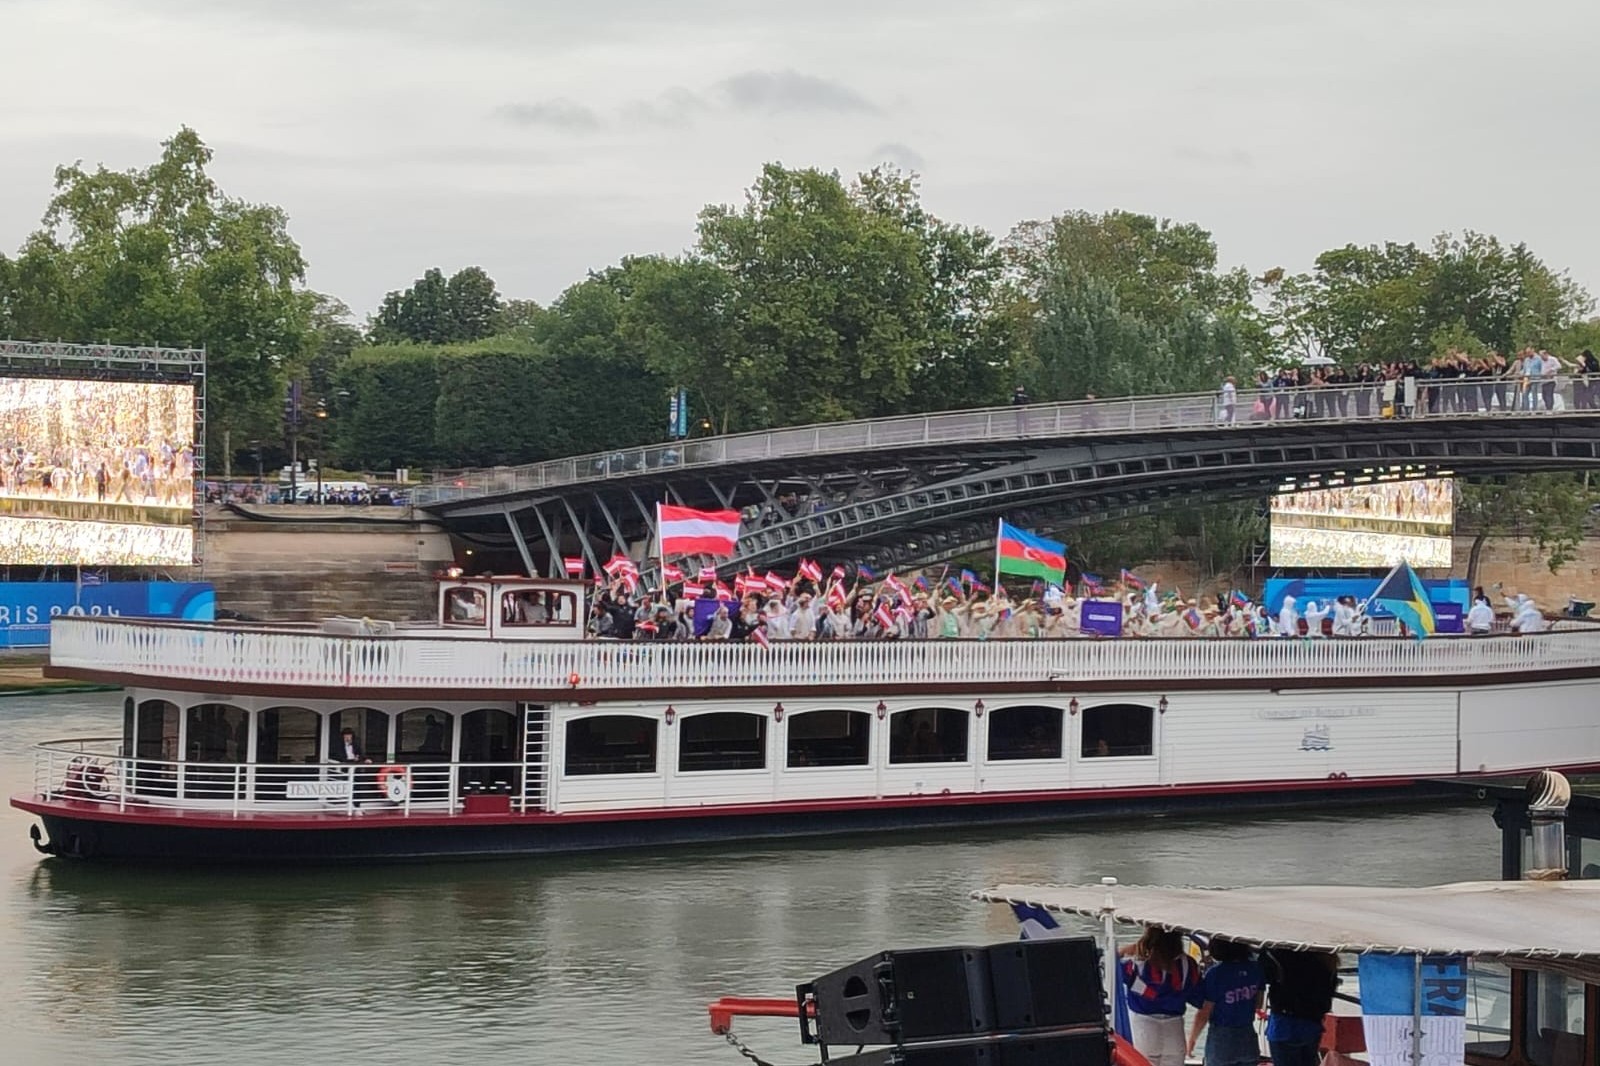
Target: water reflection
(595,959)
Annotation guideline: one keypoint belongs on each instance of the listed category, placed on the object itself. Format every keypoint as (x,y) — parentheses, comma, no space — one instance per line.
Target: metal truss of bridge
(909,490)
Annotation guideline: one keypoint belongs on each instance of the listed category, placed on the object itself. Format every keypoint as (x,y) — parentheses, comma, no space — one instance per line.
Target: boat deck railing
(93,770)
(149,653)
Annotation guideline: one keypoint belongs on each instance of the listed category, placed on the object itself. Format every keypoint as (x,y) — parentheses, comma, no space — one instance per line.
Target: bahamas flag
(1019,552)
(1402,593)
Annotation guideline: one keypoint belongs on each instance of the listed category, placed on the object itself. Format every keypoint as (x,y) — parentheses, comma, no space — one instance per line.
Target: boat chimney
(1548,794)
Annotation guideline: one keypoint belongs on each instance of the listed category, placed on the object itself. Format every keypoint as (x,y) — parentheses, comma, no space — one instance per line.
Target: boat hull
(79,831)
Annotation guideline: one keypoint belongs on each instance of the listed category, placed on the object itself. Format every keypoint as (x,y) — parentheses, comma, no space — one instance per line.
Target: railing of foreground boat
(1467,398)
(238,656)
(93,769)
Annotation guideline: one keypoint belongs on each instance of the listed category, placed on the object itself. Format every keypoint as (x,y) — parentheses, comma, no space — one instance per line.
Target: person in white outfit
(1480,619)
(1288,619)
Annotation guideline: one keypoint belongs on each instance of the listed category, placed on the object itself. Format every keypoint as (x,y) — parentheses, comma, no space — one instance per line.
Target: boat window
(424,735)
(538,607)
(371,729)
(156,731)
(1555,1016)
(287,736)
(723,740)
(464,607)
(1118,730)
(935,734)
(830,738)
(1025,733)
(217,732)
(1488,1010)
(611,744)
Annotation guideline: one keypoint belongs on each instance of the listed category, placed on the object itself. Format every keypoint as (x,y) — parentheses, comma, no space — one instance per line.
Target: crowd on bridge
(768,608)
(1454,383)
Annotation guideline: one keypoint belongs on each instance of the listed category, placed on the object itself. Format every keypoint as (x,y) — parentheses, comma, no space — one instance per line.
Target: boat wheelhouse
(496,728)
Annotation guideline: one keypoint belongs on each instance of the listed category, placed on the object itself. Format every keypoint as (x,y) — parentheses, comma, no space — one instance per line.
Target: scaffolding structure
(117,362)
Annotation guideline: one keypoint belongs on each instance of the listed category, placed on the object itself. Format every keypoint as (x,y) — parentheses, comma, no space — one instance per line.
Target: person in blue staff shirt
(1229,996)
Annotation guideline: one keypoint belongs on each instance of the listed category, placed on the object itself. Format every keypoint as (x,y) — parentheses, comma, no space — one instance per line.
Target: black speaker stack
(1033,1002)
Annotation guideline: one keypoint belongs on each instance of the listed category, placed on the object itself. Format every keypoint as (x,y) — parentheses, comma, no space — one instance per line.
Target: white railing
(1467,398)
(92,770)
(236,658)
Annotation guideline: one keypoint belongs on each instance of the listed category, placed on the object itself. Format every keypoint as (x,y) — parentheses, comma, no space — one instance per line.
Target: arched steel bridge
(907,490)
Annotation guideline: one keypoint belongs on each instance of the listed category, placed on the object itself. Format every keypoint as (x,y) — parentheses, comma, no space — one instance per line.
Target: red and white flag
(671,574)
(836,596)
(619,564)
(708,574)
(573,565)
(882,616)
(693,590)
(685,531)
(809,570)
(838,574)
(897,585)
(759,635)
(775,583)
(724,593)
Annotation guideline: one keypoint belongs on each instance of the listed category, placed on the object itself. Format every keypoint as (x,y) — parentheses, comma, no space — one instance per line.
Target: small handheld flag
(1132,580)
(865,572)
(573,564)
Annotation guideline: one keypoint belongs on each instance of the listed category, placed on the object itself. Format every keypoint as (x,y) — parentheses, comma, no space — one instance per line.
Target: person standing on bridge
(1230,396)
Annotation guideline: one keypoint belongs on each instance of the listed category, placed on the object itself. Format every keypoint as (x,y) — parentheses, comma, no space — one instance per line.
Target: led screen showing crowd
(96,473)
(1375,525)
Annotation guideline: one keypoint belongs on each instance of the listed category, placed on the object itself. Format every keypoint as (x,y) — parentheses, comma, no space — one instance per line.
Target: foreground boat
(477,735)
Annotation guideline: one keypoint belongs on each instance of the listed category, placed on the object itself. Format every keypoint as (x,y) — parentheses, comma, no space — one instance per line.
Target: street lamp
(322,418)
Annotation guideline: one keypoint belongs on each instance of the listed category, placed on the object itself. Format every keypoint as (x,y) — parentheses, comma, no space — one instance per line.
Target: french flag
(685,531)
(573,565)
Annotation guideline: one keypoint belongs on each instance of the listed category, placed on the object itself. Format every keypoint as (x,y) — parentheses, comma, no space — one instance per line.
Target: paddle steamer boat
(497,729)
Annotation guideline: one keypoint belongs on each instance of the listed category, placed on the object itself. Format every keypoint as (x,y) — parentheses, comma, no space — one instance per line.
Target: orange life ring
(395,783)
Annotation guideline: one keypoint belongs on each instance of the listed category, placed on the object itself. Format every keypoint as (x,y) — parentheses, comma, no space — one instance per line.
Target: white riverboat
(496,729)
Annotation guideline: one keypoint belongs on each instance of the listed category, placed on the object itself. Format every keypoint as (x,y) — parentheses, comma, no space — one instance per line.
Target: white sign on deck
(319,790)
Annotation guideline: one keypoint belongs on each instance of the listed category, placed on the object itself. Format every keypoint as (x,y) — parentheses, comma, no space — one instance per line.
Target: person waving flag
(1402,594)
(1018,551)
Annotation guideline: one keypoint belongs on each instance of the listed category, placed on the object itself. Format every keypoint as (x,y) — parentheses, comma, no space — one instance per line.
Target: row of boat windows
(737,740)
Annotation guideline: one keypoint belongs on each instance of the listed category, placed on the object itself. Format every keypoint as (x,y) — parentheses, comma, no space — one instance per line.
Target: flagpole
(661,546)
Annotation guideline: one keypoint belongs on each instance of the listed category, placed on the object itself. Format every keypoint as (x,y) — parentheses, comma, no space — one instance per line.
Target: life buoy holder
(395,783)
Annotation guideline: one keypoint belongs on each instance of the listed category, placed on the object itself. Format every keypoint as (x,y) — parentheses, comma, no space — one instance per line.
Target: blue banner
(1391,999)
(27,607)
(1101,616)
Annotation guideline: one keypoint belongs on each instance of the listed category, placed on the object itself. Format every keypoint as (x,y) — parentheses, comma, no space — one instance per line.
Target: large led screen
(1374,525)
(96,473)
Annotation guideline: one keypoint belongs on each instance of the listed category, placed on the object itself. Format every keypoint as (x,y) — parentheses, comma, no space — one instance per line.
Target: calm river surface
(592,960)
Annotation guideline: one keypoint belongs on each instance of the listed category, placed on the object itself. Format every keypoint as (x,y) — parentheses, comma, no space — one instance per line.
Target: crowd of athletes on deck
(767,608)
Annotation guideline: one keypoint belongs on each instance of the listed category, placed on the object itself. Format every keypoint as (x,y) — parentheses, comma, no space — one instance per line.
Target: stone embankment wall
(304,569)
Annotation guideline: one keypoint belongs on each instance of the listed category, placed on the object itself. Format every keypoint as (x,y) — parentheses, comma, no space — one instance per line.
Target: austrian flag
(685,531)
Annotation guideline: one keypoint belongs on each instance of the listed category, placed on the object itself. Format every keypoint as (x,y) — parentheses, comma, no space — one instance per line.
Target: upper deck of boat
(313,662)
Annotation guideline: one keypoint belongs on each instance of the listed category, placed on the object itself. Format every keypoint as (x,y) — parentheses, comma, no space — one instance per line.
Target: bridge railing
(142,652)
(1364,402)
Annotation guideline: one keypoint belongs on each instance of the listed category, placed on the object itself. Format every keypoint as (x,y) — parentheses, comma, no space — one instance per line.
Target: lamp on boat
(977,708)
(777,713)
(670,715)
(1161,705)
(573,679)
(1072,707)
(883,709)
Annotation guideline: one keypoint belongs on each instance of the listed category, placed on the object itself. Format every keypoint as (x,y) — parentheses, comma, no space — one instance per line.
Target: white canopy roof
(1497,919)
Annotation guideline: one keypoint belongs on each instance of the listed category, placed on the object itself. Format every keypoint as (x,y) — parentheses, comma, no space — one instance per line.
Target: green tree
(1551,510)
(491,410)
(439,310)
(160,255)
(388,421)
(333,336)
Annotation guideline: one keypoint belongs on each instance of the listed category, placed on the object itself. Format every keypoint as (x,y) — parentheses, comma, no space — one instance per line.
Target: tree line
(816,298)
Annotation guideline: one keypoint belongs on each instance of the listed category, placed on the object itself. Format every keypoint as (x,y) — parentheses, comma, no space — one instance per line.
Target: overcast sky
(540,140)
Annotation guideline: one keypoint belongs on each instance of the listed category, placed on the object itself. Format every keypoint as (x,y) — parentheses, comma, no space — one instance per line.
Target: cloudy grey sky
(540,139)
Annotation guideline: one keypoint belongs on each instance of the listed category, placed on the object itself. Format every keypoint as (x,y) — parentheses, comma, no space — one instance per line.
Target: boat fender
(395,783)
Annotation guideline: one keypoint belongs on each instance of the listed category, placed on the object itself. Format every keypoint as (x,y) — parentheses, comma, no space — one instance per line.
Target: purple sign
(1447,618)
(705,609)
(1103,617)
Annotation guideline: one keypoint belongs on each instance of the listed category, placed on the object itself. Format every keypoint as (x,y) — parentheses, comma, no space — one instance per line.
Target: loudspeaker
(1065,1049)
(900,997)
(1040,984)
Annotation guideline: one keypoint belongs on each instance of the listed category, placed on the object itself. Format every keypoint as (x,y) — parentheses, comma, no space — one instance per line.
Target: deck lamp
(777,713)
(883,709)
(670,715)
(977,708)
(1072,707)
(1161,705)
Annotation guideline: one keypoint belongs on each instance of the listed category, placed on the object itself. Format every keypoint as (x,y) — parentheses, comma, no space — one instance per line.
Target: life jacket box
(486,803)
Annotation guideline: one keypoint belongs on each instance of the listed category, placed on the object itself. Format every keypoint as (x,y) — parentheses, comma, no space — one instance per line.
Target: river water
(603,960)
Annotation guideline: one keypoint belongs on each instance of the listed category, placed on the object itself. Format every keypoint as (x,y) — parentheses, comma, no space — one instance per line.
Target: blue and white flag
(1389,1004)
